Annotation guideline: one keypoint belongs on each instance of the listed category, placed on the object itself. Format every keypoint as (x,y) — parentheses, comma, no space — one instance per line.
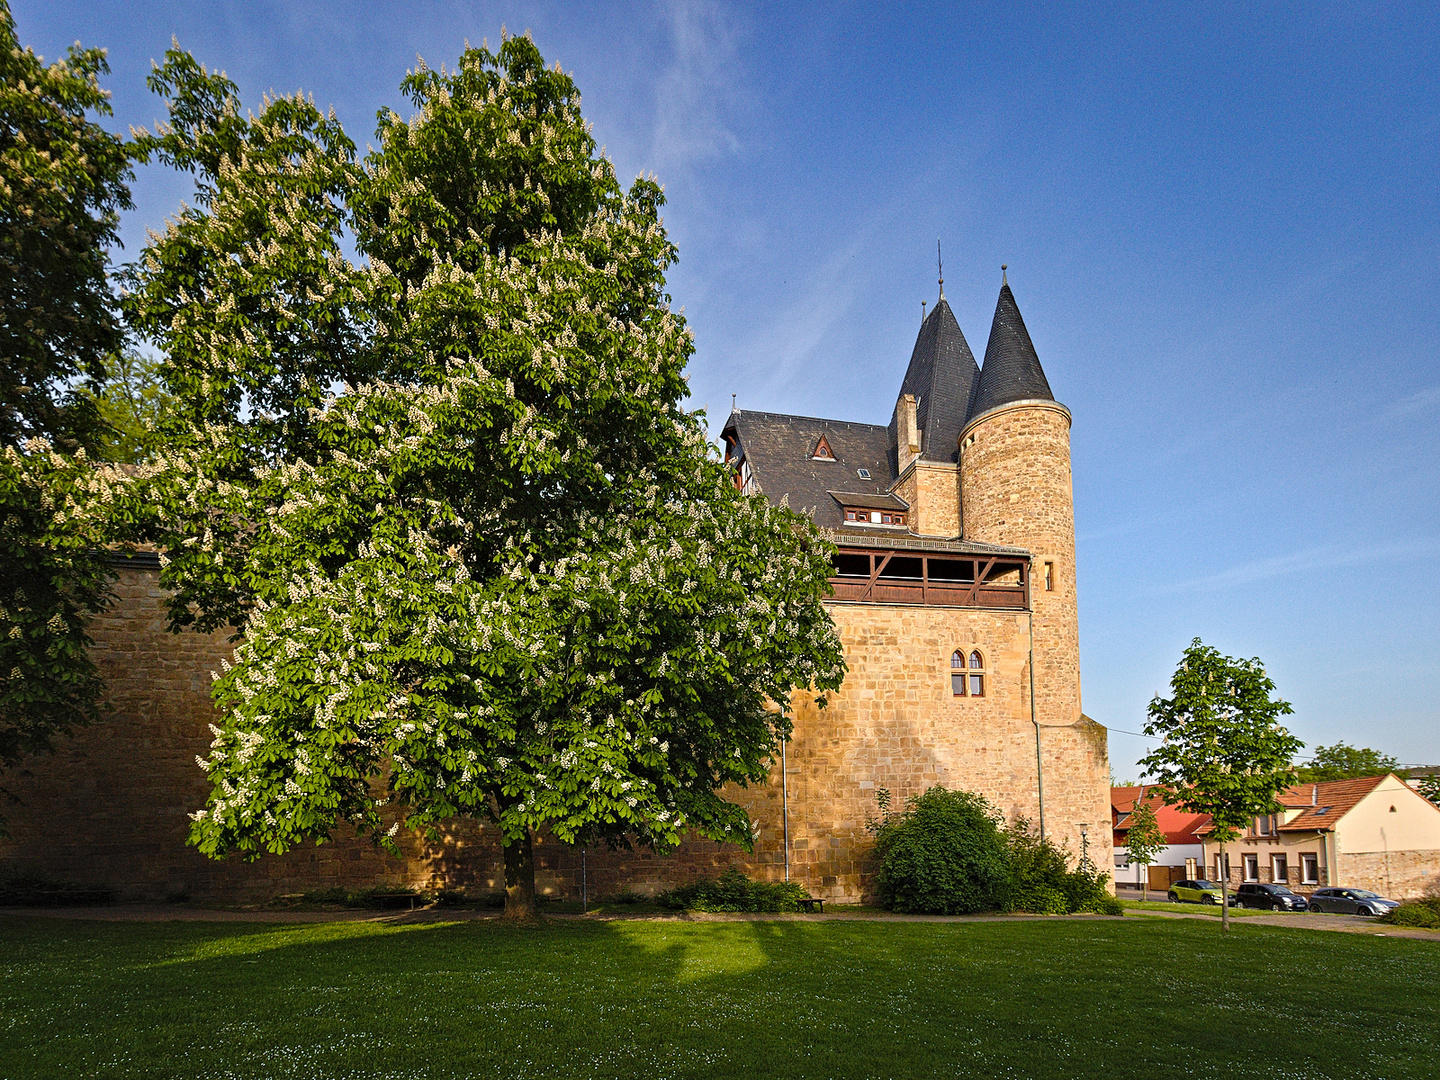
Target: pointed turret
(1011,371)
(941,378)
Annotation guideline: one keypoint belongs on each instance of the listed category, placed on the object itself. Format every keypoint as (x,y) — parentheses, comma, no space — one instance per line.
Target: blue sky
(1222,225)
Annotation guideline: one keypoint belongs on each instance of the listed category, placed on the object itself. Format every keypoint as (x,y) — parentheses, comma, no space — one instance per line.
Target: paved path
(180,913)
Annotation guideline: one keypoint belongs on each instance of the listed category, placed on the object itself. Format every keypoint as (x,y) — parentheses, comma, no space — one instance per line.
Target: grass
(1236,912)
(1044,998)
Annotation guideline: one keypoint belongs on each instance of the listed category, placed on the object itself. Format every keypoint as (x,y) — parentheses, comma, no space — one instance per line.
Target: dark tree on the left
(64,180)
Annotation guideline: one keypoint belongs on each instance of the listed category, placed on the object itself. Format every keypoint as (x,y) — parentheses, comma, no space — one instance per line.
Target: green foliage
(1041,881)
(62,186)
(500,574)
(733,891)
(1342,762)
(1143,838)
(53,579)
(1224,753)
(63,183)
(945,854)
(1430,788)
(1422,913)
(133,405)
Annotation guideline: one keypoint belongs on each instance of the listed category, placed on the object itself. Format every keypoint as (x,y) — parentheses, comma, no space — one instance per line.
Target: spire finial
(732,402)
(940,262)
(1003,279)
(922,312)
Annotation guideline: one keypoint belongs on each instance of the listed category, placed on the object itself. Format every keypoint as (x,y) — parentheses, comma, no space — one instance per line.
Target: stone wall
(933,491)
(1400,875)
(109,808)
(1015,489)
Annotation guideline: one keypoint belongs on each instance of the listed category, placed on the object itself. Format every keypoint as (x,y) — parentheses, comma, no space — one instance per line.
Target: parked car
(1197,892)
(1341,901)
(1270,897)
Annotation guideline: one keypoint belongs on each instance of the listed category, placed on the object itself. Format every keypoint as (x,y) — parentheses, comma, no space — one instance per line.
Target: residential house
(1376,833)
(1184,853)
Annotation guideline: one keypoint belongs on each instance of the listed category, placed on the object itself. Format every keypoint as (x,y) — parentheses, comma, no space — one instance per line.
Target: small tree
(1343,762)
(1224,753)
(1144,840)
(1430,788)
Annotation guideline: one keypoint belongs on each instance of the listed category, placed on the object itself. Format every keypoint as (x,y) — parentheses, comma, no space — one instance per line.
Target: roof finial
(732,402)
(1003,279)
(922,312)
(941,264)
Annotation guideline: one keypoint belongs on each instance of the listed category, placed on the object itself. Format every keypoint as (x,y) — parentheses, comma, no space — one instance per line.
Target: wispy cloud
(701,89)
(1306,560)
(1428,398)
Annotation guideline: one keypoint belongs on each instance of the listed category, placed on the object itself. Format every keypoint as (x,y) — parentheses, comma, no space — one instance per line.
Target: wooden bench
(812,905)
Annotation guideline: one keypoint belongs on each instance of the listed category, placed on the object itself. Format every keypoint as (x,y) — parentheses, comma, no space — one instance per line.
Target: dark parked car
(1270,897)
(1351,902)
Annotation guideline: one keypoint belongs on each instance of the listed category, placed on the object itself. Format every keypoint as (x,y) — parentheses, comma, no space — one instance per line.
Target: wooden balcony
(868,576)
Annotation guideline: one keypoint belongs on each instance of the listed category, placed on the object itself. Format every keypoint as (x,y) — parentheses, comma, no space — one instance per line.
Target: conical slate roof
(1012,371)
(942,376)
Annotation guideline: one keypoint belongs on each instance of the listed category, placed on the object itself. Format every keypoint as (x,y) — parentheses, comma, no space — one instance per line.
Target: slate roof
(1012,371)
(778,448)
(942,376)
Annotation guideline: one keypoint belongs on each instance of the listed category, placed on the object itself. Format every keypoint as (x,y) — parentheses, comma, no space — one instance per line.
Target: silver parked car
(1351,902)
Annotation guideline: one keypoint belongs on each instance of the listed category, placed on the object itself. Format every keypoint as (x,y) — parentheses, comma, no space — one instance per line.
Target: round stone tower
(1015,490)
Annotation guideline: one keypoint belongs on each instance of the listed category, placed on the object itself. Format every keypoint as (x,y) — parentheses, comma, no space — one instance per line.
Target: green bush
(1042,882)
(948,853)
(944,855)
(1422,913)
(733,891)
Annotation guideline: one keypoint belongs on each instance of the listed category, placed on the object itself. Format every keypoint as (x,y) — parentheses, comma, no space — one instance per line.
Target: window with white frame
(1309,869)
(1252,868)
(1279,869)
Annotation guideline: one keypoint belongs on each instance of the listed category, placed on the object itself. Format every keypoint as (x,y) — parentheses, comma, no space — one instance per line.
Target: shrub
(733,891)
(1041,881)
(1422,913)
(949,854)
(944,855)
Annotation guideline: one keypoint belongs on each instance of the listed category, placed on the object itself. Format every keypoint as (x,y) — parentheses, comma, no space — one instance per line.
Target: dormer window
(858,516)
(823,451)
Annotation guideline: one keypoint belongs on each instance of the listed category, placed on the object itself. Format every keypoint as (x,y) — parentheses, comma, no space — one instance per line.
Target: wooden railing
(956,581)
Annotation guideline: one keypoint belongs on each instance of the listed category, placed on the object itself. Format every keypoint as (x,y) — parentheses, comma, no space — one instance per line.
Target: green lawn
(1043,998)
(1236,912)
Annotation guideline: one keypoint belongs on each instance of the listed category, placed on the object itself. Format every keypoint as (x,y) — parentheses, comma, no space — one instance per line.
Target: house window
(823,451)
(1222,868)
(1049,577)
(1309,869)
(1279,869)
(1262,826)
(967,674)
(1252,868)
(873,517)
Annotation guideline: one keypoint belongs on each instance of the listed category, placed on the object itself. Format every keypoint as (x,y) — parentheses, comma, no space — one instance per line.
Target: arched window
(967,675)
(977,674)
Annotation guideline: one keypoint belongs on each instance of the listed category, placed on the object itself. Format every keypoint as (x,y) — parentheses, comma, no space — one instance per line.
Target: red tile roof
(1324,803)
(1178,825)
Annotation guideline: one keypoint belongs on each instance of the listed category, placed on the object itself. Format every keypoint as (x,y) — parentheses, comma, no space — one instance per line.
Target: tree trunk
(1144,882)
(1224,891)
(520,879)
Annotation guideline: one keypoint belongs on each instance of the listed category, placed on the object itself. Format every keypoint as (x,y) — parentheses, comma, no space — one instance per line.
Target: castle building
(953,593)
